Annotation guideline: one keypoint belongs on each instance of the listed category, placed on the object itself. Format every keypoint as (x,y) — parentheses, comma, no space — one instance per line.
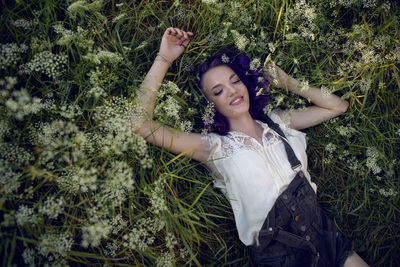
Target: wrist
(163,58)
(293,84)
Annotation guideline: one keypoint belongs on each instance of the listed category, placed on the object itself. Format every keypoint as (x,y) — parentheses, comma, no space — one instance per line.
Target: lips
(237,101)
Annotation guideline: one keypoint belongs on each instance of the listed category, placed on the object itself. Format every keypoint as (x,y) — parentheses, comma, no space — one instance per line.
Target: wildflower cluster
(22,23)
(169,108)
(157,199)
(119,182)
(47,63)
(92,234)
(166,259)
(103,56)
(118,118)
(52,207)
(10,54)
(208,116)
(143,233)
(81,7)
(55,244)
(80,37)
(25,215)
(20,104)
(372,160)
(59,142)
(302,17)
(240,40)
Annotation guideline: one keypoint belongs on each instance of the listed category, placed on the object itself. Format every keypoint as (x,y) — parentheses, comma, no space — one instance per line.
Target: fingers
(179,33)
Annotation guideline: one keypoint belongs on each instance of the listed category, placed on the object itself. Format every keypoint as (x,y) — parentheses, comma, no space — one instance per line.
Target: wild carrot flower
(10,54)
(372,160)
(56,244)
(25,215)
(240,40)
(166,259)
(47,63)
(92,234)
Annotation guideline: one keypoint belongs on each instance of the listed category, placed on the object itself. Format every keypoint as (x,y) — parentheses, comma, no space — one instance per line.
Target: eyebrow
(215,86)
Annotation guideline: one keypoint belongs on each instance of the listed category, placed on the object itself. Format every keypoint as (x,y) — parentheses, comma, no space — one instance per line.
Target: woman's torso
(252,175)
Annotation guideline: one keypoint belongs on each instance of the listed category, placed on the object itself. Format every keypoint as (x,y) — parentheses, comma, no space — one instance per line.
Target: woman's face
(228,93)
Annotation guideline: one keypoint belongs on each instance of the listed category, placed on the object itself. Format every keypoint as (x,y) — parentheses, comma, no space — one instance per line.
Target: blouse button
(303,228)
(308,238)
(293,208)
(296,218)
(301,174)
(284,196)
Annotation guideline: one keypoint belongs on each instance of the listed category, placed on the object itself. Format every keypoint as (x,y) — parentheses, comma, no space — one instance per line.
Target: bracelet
(162,58)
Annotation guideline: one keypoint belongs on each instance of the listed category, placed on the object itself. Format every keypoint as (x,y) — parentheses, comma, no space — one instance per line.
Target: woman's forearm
(315,95)
(151,84)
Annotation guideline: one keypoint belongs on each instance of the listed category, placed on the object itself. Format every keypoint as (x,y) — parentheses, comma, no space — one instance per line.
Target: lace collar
(236,141)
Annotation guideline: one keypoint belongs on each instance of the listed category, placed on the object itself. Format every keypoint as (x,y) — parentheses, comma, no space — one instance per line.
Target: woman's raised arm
(173,44)
(324,108)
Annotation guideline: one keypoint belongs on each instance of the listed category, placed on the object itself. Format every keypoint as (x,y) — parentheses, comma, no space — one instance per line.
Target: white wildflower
(346,130)
(225,58)
(304,86)
(185,126)
(157,198)
(94,233)
(209,2)
(170,240)
(255,64)
(271,47)
(387,193)
(10,54)
(104,56)
(326,91)
(119,183)
(365,85)
(29,256)
(143,233)
(82,6)
(330,148)
(25,215)
(111,249)
(372,160)
(166,259)
(208,115)
(22,23)
(47,63)
(80,38)
(52,207)
(56,244)
(240,40)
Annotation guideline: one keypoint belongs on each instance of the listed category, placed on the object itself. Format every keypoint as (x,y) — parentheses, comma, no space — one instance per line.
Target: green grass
(72,147)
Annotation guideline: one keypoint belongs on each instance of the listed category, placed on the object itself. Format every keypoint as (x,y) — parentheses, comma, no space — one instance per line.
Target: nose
(231,90)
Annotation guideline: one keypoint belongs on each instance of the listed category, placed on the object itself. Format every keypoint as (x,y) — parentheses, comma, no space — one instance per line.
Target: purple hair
(240,64)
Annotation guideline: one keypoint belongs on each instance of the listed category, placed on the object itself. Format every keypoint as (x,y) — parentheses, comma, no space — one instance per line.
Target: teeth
(237,100)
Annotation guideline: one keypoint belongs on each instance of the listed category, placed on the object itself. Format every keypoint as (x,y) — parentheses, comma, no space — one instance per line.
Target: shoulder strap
(294,161)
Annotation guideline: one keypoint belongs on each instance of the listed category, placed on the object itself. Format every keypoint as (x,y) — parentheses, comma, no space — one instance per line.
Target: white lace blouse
(253,175)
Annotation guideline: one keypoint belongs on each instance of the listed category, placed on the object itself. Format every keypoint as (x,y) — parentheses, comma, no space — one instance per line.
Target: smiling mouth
(237,101)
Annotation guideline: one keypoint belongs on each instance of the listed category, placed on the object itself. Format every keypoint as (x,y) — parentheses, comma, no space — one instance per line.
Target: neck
(247,125)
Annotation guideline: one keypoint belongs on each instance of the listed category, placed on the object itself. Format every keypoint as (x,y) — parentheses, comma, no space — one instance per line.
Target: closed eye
(218,92)
(237,81)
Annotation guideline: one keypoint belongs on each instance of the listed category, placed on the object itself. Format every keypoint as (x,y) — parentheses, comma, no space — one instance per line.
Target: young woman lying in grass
(259,160)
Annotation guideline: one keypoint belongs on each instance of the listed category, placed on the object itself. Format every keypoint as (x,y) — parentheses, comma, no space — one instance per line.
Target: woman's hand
(174,42)
(277,77)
